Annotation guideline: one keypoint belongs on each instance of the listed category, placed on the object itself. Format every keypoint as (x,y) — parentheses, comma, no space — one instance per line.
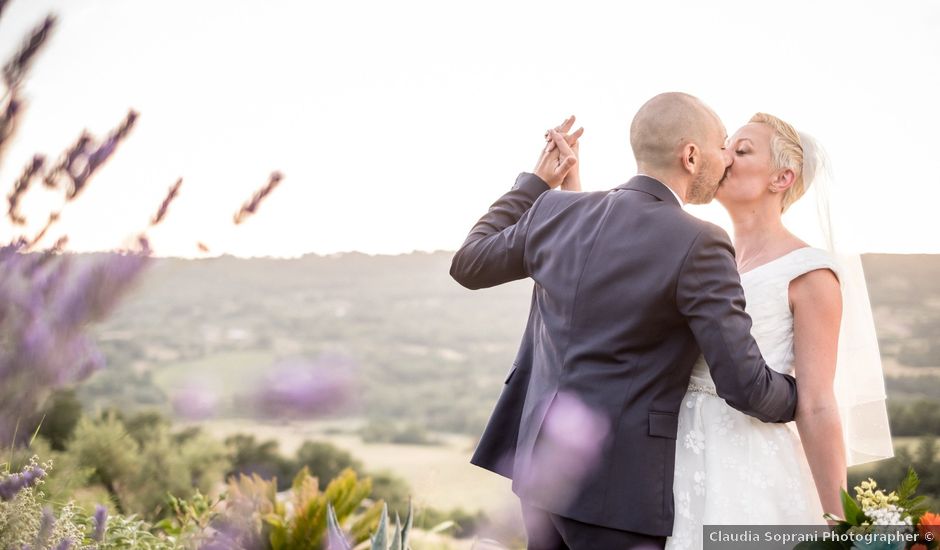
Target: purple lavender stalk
(15,483)
(171,195)
(251,206)
(46,523)
(45,311)
(101,519)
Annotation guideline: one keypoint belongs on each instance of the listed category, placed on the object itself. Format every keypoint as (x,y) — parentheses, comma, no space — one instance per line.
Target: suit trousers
(548,531)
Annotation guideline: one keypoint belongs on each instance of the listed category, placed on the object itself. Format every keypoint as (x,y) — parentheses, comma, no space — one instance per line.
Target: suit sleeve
(710,296)
(494,252)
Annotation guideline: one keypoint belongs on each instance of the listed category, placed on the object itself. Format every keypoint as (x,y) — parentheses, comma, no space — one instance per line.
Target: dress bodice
(766,293)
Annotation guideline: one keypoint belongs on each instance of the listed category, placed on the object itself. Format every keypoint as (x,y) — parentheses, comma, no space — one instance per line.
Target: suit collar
(651,186)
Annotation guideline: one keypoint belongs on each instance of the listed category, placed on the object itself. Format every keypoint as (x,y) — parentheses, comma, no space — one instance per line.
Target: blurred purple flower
(165,205)
(46,523)
(65,544)
(97,287)
(234,530)
(14,483)
(196,401)
(251,206)
(101,519)
(568,449)
(45,310)
(305,389)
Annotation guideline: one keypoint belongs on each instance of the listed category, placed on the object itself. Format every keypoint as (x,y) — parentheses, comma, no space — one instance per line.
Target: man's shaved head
(665,124)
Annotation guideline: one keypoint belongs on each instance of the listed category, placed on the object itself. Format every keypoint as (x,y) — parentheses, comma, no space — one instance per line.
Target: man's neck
(676,190)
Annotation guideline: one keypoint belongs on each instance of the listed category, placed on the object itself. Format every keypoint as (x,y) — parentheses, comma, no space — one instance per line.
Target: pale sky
(396,124)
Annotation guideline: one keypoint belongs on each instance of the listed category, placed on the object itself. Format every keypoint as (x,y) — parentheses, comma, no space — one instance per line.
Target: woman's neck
(759,235)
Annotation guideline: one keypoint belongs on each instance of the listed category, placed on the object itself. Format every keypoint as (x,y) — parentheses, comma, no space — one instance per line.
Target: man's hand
(556,161)
(572,181)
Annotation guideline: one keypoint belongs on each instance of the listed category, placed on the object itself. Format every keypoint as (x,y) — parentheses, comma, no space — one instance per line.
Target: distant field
(225,373)
(441,476)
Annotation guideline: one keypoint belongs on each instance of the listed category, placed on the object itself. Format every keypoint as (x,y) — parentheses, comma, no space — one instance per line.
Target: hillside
(422,348)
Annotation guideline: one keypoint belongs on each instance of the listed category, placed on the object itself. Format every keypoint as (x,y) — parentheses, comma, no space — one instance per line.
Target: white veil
(859,380)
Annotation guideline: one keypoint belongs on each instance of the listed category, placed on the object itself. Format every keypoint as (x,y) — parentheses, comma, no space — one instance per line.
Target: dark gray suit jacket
(629,289)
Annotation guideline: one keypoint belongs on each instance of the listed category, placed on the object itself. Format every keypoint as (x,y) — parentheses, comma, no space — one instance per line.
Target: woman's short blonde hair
(786,152)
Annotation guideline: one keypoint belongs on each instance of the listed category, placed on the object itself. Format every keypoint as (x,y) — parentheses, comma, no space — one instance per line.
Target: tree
(325,461)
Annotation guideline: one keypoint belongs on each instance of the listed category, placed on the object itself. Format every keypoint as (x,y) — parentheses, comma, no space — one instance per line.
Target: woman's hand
(556,161)
(572,181)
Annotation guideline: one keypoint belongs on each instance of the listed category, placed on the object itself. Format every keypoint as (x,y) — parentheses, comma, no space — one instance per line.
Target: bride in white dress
(732,468)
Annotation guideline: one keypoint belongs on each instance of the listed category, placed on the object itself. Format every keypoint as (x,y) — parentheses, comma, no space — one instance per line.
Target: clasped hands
(558,163)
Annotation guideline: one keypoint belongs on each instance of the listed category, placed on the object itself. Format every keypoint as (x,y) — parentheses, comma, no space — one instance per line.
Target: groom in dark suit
(629,290)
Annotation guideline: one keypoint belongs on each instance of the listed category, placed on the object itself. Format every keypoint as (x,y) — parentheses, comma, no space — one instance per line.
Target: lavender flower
(251,206)
(46,524)
(16,69)
(569,448)
(14,483)
(101,519)
(87,159)
(195,401)
(9,118)
(161,213)
(306,389)
(65,544)
(21,186)
(45,310)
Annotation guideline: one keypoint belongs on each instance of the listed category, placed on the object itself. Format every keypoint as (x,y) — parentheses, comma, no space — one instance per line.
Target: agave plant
(380,540)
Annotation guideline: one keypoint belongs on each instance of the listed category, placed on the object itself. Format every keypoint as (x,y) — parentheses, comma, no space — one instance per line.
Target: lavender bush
(48,298)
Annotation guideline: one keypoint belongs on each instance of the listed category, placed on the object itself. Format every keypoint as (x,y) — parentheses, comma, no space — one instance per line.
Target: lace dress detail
(732,468)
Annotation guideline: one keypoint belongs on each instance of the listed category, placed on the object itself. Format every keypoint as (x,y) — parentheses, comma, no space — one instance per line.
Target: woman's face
(749,177)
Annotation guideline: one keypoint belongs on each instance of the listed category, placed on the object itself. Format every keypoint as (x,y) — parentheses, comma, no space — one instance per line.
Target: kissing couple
(668,379)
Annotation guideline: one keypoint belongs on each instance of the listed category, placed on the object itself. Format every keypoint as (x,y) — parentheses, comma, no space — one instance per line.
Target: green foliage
(914,418)
(325,460)
(191,519)
(60,416)
(465,524)
(139,470)
(392,489)
(915,505)
(20,525)
(249,457)
(924,459)
(254,517)
(131,533)
(307,527)
(385,431)
(113,456)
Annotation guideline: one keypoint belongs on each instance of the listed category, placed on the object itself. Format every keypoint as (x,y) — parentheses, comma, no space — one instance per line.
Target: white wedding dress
(732,468)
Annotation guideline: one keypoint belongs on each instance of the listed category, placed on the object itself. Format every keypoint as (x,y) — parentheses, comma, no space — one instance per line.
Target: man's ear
(690,158)
(783,181)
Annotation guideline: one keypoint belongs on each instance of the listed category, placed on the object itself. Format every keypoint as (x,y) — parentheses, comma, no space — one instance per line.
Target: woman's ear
(782,181)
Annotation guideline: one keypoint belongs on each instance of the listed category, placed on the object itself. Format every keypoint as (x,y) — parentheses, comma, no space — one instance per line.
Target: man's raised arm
(494,252)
